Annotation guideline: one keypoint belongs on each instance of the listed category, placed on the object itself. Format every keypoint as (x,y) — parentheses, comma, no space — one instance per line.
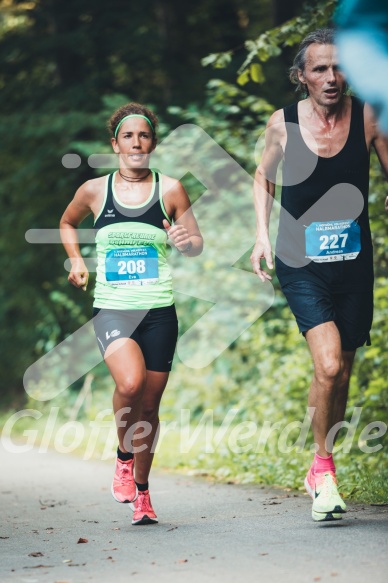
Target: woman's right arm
(75,213)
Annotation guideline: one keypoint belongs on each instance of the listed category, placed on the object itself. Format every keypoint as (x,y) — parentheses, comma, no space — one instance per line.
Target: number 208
(130,267)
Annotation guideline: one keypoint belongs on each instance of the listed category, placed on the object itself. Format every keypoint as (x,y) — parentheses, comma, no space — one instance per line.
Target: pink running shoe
(327,503)
(123,486)
(143,511)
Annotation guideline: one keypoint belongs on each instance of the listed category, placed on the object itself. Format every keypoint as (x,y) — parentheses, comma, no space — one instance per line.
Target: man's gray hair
(321,36)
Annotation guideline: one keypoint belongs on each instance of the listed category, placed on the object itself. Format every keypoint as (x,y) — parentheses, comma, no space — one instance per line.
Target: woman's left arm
(184,233)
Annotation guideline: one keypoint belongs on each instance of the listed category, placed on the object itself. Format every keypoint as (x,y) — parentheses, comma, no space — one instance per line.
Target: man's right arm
(264,191)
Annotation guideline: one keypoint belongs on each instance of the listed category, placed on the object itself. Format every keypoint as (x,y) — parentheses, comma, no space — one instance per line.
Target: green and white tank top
(132,270)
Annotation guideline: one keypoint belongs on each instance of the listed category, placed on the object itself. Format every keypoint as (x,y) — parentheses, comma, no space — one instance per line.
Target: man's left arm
(380,144)
(378,140)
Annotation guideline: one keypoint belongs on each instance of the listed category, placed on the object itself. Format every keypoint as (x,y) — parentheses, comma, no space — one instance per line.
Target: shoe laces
(125,475)
(328,484)
(143,502)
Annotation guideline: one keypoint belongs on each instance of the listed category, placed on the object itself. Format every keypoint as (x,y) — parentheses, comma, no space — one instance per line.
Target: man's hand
(262,250)
(79,275)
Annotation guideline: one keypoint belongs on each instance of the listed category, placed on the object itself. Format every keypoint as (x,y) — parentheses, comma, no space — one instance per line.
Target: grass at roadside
(234,453)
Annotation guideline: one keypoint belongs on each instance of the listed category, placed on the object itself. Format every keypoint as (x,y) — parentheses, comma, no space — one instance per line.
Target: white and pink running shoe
(143,511)
(123,485)
(327,503)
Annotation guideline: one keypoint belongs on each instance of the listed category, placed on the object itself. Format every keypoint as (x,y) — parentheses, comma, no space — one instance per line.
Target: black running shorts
(313,303)
(155,331)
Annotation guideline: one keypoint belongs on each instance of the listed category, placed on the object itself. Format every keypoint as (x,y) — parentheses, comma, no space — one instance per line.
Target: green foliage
(232,117)
(217,60)
(271,43)
(254,73)
(67,65)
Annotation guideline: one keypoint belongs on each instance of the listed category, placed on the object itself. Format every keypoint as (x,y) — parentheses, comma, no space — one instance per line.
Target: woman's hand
(79,275)
(178,235)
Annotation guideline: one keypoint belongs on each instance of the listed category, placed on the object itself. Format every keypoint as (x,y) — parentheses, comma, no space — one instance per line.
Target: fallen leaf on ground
(52,503)
(82,540)
(36,554)
(40,567)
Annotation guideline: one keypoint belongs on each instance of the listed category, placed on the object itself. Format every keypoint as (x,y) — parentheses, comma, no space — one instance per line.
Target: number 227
(333,241)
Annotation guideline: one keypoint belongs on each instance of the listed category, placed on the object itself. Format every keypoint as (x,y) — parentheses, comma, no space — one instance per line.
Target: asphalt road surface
(207,532)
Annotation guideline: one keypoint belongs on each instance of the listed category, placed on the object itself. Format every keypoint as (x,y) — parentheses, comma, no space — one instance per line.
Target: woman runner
(134,314)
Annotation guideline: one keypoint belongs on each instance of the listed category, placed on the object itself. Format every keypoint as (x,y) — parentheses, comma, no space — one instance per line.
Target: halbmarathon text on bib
(333,241)
(134,266)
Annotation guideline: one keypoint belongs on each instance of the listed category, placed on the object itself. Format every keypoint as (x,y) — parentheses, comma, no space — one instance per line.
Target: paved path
(207,532)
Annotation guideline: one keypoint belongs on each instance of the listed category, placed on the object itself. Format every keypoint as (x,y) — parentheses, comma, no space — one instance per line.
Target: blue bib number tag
(137,266)
(333,241)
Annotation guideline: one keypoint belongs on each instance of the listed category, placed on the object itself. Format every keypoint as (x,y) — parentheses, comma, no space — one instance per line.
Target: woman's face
(134,142)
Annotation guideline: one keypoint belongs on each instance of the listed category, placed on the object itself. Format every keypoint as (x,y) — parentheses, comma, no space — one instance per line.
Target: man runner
(324,260)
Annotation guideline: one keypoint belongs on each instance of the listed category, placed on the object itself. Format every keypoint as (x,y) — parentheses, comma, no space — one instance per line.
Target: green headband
(133,115)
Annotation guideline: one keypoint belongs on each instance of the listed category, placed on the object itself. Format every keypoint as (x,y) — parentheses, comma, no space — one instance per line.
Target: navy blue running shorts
(313,303)
(155,331)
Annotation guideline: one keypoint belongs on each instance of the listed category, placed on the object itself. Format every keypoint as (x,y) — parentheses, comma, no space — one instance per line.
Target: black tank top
(328,232)
(150,212)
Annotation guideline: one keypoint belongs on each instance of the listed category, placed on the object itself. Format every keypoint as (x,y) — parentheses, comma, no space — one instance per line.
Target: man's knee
(330,371)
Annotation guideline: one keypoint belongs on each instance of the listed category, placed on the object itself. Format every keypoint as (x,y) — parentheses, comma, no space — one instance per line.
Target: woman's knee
(150,411)
(131,386)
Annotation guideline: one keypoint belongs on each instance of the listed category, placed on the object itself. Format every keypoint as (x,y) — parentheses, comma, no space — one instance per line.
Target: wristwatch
(187,248)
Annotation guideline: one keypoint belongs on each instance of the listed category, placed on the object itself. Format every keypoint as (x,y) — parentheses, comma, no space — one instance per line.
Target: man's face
(324,81)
